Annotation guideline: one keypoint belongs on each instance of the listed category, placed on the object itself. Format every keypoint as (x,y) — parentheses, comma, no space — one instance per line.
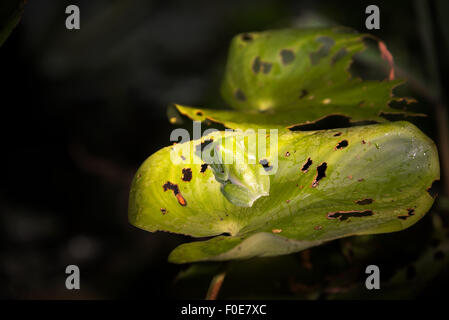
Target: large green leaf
(284,78)
(372,179)
(10,13)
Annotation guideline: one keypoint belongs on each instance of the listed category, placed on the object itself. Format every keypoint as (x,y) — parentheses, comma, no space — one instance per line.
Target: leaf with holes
(288,78)
(306,189)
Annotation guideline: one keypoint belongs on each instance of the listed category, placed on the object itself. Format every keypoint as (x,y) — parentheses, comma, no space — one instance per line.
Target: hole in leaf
(410,212)
(344,215)
(186,174)
(342,144)
(203,145)
(328,122)
(393,116)
(203,167)
(434,188)
(321,173)
(265,164)
(306,165)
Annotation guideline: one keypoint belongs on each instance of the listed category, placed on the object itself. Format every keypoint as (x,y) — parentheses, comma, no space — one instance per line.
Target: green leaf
(291,77)
(325,185)
(10,13)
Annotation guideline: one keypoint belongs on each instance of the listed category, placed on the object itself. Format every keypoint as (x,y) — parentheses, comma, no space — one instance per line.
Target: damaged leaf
(392,164)
(291,77)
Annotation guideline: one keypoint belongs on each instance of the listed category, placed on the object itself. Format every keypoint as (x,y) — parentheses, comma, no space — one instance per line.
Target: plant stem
(215,286)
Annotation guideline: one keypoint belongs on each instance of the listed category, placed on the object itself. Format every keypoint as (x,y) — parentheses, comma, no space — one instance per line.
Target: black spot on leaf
(266,67)
(164,211)
(364,201)
(337,134)
(203,167)
(287,56)
(239,95)
(303,93)
(256,65)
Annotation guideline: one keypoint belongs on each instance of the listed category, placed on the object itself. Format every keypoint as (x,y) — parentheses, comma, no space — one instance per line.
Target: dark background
(81,110)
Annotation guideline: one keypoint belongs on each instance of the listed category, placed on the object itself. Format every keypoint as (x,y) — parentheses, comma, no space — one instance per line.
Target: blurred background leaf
(10,13)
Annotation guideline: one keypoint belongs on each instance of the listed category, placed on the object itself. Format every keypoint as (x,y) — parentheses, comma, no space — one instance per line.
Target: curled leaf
(393,165)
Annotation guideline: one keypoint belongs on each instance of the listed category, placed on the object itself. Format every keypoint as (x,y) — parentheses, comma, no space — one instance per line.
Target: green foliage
(291,77)
(325,184)
(377,183)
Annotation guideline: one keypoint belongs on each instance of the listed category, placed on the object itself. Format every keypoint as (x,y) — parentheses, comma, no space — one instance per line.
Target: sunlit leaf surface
(326,185)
